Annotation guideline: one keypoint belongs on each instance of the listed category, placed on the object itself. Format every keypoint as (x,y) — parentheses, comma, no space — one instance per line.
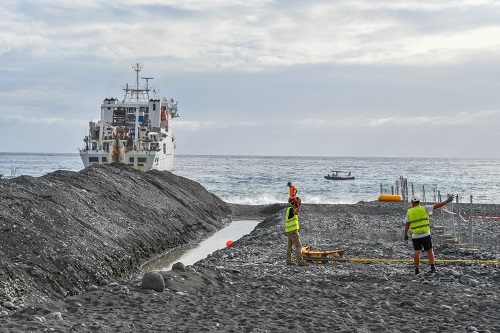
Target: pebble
(469,280)
(57,316)
(407,303)
(39,319)
(9,305)
(385,305)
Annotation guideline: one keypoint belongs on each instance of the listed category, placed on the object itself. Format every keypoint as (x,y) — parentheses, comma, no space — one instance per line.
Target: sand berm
(72,242)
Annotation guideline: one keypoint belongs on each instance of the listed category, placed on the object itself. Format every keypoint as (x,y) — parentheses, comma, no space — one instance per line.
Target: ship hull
(144,161)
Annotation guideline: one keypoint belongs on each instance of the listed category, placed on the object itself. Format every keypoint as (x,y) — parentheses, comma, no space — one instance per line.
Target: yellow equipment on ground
(311,254)
(389,197)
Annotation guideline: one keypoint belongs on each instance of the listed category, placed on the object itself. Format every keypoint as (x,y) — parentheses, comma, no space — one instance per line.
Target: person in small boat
(292,232)
(293,191)
(417,219)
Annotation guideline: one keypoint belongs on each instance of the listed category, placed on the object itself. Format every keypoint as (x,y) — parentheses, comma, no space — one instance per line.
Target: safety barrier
(458,227)
(456,222)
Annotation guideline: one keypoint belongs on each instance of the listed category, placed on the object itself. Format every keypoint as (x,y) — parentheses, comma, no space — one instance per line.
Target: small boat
(336,175)
(136,131)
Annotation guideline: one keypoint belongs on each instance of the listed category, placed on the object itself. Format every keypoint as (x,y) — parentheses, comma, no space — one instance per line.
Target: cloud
(462,118)
(195,126)
(24,119)
(252,35)
(356,69)
(459,119)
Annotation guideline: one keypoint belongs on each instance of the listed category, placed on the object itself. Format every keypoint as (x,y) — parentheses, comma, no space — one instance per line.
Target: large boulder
(154,281)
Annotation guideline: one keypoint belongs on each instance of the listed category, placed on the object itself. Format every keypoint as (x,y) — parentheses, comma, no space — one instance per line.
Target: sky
(260,77)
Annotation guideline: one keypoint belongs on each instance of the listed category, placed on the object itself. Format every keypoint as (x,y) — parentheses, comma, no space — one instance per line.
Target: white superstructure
(136,131)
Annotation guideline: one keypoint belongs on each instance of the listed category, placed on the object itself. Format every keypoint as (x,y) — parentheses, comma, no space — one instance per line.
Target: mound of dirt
(65,231)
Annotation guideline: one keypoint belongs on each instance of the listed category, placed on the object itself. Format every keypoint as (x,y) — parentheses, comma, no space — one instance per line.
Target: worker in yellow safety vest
(292,231)
(417,220)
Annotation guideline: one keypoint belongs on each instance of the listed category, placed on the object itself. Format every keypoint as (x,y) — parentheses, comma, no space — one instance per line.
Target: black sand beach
(71,241)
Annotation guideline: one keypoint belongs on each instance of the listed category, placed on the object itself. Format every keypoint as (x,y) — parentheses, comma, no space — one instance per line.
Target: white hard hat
(415,198)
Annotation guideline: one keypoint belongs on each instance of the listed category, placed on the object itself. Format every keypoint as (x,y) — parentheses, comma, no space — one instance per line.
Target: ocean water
(263,179)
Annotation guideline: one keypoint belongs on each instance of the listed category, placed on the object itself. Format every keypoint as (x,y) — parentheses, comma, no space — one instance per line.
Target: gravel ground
(246,287)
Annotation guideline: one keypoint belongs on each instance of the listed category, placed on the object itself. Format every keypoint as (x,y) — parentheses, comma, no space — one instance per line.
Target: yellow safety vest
(291,224)
(419,220)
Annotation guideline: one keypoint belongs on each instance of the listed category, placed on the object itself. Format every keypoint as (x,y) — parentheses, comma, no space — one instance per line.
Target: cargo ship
(136,131)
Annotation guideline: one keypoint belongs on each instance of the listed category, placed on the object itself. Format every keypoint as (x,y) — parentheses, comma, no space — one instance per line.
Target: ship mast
(138,93)
(137,68)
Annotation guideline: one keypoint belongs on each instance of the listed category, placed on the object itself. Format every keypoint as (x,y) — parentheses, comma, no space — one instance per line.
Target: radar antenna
(138,93)
(147,84)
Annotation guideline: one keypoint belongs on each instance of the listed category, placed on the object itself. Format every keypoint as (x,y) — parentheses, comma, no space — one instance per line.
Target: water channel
(190,254)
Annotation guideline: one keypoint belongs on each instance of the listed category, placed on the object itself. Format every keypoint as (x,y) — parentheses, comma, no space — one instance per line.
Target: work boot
(417,271)
(433,269)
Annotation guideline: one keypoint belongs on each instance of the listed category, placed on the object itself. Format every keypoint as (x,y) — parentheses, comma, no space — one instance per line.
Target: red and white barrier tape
(459,215)
(485,217)
(472,216)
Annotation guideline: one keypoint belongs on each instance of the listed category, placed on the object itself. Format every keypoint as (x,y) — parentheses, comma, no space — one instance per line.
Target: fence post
(442,214)
(443,218)
(471,239)
(459,221)
(454,221)
(405,192)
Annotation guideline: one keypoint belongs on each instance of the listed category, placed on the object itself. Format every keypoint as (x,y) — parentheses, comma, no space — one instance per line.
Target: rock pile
(66,231)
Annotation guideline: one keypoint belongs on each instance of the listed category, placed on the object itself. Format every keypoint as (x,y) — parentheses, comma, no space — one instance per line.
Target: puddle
(188,255)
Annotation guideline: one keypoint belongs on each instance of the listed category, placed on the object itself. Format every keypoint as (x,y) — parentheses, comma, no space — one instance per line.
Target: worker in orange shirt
(293,191)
